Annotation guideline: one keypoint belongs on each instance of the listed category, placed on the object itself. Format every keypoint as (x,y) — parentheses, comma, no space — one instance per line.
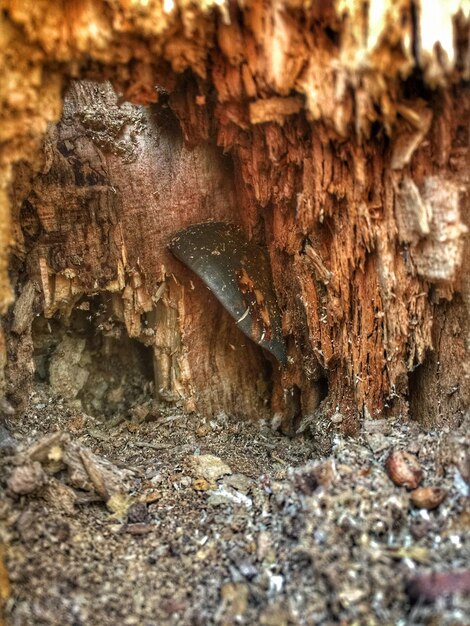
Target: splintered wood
(86,472)
(348,168)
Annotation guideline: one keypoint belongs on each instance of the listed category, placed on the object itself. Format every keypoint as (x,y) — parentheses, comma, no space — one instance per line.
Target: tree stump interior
(234,312)
(352,178)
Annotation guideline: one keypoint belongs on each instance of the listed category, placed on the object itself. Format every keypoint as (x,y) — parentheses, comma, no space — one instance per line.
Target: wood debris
(56,455)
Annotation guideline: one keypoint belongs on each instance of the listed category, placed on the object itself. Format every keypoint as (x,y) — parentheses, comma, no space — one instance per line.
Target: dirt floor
(221,521)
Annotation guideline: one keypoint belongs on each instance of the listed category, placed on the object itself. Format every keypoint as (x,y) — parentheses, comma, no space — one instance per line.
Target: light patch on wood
(23,310)
(6,293)
(438,256)
(321,271)
(274,109)
(411,129)
(411,212)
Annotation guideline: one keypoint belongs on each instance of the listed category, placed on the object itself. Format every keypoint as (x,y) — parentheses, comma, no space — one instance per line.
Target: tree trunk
(351,174)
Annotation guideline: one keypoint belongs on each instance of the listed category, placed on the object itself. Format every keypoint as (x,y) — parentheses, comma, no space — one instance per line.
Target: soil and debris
(176,519)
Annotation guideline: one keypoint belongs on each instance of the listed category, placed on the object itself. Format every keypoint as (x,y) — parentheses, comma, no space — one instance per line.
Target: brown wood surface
(344,153)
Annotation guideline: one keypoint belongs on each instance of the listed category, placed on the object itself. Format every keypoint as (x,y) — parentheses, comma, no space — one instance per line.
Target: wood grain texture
(347,136)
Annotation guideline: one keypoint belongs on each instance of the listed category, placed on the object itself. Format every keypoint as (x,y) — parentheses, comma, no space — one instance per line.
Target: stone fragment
(240,482)
(27,478)
(404,469)
(209,467)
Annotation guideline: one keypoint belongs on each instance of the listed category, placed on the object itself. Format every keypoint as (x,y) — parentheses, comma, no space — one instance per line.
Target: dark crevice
(89,357)
(323,388)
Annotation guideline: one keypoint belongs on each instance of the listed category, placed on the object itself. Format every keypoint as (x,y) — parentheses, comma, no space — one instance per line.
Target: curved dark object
(238,274)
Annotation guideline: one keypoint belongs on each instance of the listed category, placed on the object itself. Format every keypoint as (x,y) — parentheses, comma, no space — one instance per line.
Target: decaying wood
(86,472)
(117,185)
(347,128)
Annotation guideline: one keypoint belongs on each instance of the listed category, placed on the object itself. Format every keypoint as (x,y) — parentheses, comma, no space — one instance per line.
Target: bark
(335,137)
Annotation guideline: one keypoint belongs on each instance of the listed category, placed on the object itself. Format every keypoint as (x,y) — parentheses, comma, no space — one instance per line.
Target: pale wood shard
(23,310)
(322,272)
(36,465)
(274,109)
(411,212)
(439,255)
(410,132)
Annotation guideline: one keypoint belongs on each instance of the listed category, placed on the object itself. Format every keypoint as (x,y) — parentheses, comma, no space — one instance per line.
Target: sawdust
(288,537)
